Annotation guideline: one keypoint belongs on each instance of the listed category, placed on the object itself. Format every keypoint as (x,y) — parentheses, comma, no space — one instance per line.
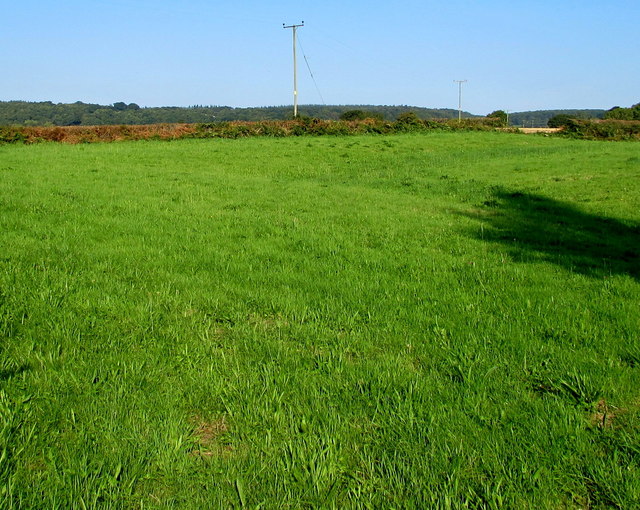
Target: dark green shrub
(338,128)
(617,113)
(560,121)
(408,121)
(499,116)
(12,135)
(375,126)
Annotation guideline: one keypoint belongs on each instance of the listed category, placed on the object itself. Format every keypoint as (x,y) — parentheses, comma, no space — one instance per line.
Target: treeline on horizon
(24,113)
(47,113)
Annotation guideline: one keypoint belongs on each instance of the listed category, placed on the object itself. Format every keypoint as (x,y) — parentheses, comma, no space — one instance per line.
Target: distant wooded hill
(83,114)
(540,118)
(23,113)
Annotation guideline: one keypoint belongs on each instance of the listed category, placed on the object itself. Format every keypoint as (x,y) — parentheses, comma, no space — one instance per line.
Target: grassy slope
(409,320)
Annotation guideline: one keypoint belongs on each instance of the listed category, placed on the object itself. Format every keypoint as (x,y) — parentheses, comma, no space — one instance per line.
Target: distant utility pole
(295,75)
(460,82)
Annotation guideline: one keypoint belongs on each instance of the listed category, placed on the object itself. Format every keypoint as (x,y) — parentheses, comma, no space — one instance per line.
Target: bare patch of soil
(208,436)
(267,322)
(604,416)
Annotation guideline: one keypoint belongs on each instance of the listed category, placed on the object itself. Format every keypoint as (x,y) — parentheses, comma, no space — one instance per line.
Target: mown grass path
(440,321)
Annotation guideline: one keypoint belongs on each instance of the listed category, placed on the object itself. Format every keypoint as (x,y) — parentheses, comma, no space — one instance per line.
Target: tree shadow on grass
(560,233)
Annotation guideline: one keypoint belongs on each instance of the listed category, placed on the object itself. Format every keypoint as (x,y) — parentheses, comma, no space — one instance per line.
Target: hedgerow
(602,129)
(302,126)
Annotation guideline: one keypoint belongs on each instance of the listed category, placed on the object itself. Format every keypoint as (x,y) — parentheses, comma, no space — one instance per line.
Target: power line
(309,68)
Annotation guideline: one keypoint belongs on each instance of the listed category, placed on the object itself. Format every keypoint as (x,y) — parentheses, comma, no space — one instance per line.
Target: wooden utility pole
(460,82)
(295,70)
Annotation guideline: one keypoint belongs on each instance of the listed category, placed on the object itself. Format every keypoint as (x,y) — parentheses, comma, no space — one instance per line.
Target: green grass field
(446,320)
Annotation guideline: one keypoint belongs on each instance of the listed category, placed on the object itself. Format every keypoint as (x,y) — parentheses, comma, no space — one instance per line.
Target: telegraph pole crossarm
(295,77)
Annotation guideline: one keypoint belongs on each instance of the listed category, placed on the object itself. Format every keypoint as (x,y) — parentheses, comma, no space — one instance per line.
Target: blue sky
(516,55)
